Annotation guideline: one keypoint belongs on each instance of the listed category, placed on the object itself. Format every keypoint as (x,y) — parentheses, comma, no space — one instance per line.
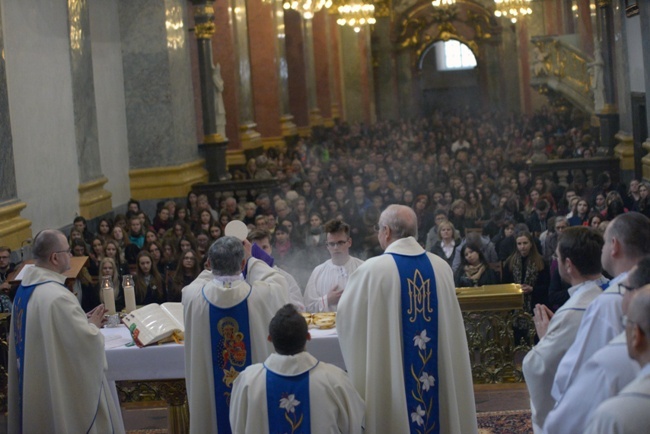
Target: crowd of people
(463,173)
(379,223)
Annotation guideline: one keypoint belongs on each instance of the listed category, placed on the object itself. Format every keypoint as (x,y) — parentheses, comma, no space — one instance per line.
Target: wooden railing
(240,188)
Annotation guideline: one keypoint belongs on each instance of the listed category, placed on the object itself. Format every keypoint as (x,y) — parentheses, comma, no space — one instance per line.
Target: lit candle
(108,293)
(129,293)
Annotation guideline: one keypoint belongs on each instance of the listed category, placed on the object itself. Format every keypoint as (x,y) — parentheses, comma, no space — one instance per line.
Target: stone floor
(491,397)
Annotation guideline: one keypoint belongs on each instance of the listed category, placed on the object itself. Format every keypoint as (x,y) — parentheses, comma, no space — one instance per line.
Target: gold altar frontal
(499,332)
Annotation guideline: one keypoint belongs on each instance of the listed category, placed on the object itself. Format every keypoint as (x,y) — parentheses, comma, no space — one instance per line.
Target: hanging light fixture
(356,14)
(512,9)
(442,3)
(307,8)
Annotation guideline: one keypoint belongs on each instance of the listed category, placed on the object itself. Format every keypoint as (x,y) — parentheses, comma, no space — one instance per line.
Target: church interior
(103,101)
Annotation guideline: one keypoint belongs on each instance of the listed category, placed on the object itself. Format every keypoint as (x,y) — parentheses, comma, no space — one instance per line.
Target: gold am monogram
(419,297)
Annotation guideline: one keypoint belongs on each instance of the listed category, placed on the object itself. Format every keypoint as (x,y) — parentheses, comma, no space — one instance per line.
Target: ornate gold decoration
(14,229)
(563,69)
(625,150)
(382,8)
(204,30)
(168,181)
(419,297)
(495,355)
(203,10)
(422,25)
(93,199)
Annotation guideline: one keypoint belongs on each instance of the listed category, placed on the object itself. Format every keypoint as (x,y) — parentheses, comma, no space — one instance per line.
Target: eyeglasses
(69,251)
(378,227)
(337,243)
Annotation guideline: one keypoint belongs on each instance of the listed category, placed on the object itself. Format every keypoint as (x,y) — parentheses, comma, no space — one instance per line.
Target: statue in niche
(597,80)
(219,107)
(539,62)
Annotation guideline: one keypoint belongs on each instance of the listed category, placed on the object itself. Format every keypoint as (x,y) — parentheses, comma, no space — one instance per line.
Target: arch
(425,50)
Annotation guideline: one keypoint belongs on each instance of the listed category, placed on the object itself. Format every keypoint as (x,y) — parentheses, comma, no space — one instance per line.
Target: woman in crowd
(186,243)
(95,256)
(579,213)
(202,244)
(204,222)
(474,209)
(155,249)
(150,236)
(182,214)
(215,233)
(112,250)
(191,205)
(169,258)
(526,267)
(162,222)
(424,216)
(474,269)
(187,270)
(448,243)
(119,236)
(104,229)
(643,205)
(84,287)
(149,286)
(457,216)
(108,268)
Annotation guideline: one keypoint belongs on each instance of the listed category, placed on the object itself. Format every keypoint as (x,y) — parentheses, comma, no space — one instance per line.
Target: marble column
(320,27)
(386,72)
(287,127)
(296,67)
(161,129)
(334,66)
(608,116)
(13,228)
(94,200)
(212,87)
(358,97)
(249,137)
(315,118)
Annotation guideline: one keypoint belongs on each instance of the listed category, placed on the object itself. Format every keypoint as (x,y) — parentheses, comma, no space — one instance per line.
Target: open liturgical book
(156,323)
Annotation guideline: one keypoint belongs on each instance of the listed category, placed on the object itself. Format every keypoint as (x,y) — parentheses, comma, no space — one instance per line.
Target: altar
(157,372)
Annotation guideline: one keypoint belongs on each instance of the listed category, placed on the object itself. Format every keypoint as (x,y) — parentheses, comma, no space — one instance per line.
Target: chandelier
(356,15)
(307,8)
(512,9)
(443,3)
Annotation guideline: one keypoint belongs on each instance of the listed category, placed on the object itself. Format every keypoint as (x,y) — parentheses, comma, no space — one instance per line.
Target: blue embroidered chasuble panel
(231,354)
(287,401)
(420,341)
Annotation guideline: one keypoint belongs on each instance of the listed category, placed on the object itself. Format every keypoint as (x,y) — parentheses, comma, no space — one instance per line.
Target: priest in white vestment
(267,397)
(604,375)
(328,281)
(263,240)
(627,240)
(578,253)
(629,411)
(262,292)
(64,387)
(370,324)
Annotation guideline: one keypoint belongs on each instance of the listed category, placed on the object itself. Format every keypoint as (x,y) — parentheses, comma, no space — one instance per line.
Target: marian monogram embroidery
(419,291)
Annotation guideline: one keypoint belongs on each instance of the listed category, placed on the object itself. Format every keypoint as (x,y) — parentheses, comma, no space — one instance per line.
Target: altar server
(57,363)
(578,256)
(329,279)
(629,411)
(403,338)
(292,391)
(226,320)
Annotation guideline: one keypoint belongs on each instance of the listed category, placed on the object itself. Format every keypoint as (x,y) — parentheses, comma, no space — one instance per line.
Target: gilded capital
(603,3)
(205,30)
